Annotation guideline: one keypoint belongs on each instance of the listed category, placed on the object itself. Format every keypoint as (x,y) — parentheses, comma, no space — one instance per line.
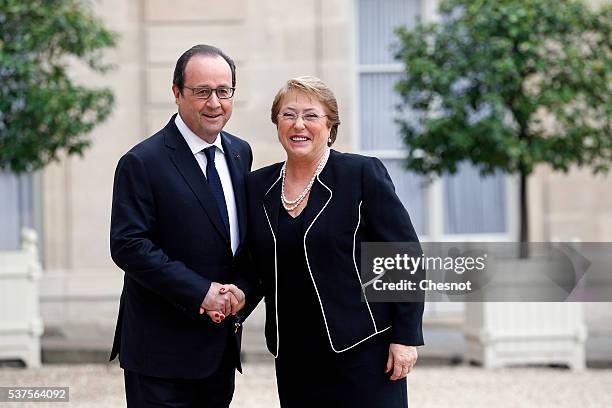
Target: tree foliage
(42,110)
(508,85)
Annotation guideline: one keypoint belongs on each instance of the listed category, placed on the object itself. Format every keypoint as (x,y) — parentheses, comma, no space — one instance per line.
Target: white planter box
(502,334)
(20,322)
(518,333)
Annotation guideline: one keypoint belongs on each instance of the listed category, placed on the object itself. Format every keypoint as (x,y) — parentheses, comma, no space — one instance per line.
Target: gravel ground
(102,386)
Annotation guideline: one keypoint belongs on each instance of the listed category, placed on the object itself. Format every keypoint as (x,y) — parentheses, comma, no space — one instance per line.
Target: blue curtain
(474,204)
(16,210)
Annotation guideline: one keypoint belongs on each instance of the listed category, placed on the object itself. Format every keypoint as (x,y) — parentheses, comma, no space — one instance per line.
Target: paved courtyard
(102,386)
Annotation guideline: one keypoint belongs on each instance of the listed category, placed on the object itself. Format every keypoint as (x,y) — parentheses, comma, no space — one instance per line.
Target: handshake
(221,301)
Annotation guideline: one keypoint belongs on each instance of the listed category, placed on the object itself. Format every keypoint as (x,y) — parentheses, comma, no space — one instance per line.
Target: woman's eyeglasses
(306,117)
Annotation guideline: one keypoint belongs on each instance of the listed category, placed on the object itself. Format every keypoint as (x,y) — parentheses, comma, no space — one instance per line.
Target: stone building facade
(346,43)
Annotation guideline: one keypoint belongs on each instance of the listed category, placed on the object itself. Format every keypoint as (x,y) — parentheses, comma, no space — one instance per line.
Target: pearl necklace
(291,205)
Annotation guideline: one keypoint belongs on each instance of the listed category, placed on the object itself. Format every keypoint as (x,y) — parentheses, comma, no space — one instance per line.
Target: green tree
(42,111)
(508,85)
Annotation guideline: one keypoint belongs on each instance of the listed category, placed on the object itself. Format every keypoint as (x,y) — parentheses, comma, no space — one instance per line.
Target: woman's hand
(215,316)
(401,360)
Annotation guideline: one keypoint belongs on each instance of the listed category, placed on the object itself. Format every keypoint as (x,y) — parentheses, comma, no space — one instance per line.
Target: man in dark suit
(177,230)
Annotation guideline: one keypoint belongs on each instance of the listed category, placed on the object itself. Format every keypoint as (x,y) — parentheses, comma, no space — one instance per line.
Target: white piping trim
(275,181)
(361,341)
(365,298)
(315,285)
(308,264)
(275,271)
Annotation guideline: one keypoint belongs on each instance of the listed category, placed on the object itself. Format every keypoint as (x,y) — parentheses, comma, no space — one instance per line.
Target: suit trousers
(215,391)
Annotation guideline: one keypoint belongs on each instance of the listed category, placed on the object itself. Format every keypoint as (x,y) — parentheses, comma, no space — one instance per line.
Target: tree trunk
(524,219)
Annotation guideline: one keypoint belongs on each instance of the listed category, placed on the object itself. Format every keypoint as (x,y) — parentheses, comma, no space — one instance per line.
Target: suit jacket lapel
(188,167)
(232,157)
(320,194)
(272,204)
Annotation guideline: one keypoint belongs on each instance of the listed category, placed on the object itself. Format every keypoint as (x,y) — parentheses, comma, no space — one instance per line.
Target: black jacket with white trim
(353,200)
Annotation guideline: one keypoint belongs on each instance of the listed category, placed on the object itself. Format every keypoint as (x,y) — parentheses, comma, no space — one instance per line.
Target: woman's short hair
(316,88)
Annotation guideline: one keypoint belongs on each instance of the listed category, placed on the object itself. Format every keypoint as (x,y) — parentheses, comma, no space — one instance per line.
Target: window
(457,207)
(474,204)
(16,210)
(378,73)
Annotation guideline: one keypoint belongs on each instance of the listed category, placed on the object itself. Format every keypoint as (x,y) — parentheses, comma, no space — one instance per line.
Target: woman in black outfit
(307,219)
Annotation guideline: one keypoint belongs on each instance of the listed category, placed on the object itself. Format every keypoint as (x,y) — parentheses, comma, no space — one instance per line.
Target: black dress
(308,372)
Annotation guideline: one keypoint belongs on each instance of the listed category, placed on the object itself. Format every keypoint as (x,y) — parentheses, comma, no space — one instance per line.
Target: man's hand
(236,302)
(401,359)
(238,294)
(219,299)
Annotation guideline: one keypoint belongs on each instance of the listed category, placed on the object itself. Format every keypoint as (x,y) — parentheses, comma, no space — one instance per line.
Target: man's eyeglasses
(200,92)
(306,117)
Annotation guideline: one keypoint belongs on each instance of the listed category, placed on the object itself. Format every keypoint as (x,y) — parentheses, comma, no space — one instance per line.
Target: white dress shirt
(197,146)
